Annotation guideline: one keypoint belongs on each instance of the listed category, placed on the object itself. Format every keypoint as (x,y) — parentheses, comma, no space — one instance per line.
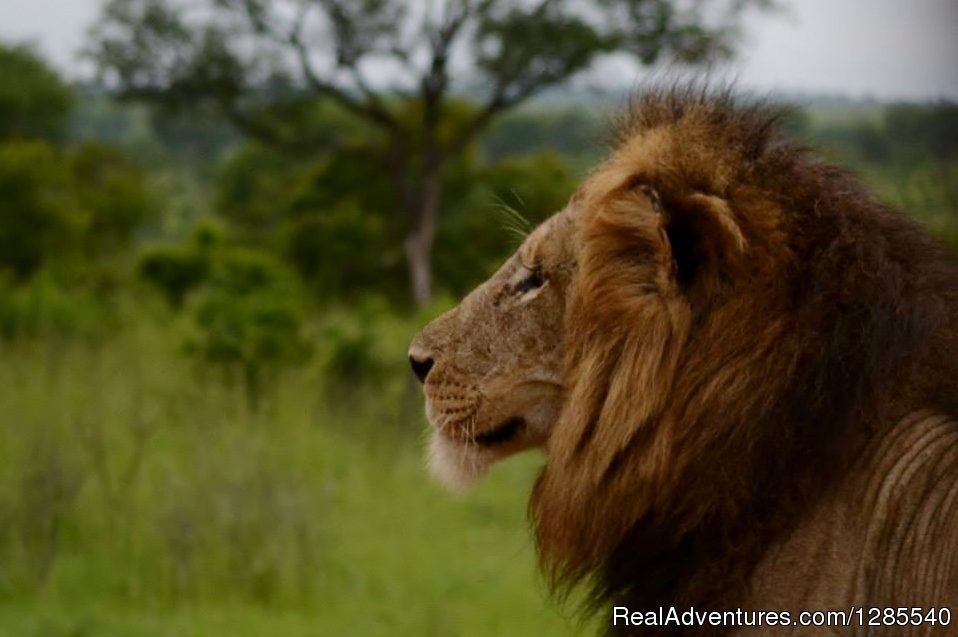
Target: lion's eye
(532,281)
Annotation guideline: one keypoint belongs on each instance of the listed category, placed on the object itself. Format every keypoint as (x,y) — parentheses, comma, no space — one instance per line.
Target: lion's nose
(421,364)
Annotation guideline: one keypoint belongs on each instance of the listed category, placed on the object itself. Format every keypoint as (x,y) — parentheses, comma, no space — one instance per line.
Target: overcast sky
(898,49)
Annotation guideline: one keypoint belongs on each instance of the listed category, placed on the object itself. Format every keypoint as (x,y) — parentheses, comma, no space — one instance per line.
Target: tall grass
(138,497)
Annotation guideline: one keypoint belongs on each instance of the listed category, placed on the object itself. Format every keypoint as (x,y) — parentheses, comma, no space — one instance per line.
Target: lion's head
(495,369)
(492,366)
(701,340)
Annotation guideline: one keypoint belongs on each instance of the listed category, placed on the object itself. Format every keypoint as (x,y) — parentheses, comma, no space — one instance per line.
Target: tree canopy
(34,101)
(393,65)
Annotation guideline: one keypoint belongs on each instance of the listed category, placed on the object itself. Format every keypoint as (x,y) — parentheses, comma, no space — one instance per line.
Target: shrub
(244,271)
(112,193)
(67,209)
(175,271)
(352,357)
(247,321)
(253,188)
(344,252)
(40,219)
(34,101)
(42,307)
(250,337)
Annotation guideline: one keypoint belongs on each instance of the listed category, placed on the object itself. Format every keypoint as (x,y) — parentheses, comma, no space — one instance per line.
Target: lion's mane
(724,369)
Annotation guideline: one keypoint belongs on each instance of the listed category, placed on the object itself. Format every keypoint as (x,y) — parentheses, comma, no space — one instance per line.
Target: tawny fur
(751,378)
(718,396)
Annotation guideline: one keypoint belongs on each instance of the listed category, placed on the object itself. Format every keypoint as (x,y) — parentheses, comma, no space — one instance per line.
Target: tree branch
(371,108)
(435,81)
(371,111)
(502,100)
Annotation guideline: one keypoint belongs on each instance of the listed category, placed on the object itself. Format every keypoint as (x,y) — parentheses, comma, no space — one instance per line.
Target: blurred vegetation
(274,68)
(136,499)
(207,420)
(34,100)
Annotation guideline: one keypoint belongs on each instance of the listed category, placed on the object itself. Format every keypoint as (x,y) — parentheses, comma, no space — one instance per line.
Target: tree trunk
(422,233)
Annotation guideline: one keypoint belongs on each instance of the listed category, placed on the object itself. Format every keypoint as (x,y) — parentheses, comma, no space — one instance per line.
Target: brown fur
(728,356)
(743,369)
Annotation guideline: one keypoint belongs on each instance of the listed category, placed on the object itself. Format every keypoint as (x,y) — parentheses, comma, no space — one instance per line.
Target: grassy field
(140,498)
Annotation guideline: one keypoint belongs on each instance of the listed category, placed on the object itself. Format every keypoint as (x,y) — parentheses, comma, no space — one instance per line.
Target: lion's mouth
(502,434)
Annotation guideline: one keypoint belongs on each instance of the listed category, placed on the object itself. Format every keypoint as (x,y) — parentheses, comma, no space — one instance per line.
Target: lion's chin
(455,465)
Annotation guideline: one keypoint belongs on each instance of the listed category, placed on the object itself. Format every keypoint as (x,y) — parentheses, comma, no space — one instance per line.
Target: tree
(34,101)
(248,320)
(392,64)
(58,206)
(39,218)
(114,195)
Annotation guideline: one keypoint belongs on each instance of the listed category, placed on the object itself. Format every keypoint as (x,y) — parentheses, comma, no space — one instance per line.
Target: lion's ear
(704,237)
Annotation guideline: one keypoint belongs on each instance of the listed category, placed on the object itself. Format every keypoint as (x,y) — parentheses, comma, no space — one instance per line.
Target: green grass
(139,498)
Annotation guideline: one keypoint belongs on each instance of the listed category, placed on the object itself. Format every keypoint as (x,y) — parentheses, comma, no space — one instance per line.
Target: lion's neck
(888,536)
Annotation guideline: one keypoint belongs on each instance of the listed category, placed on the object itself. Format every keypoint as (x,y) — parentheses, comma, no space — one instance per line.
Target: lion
(743,372)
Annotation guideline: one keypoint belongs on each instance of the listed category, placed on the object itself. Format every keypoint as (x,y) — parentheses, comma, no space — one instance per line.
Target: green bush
(352,359)
(247,319)
(352,354)
(35,102)
(44,308)
(344,253)
(250,337)
(173,270)
(244,306)
(244,271)
(113,195)
(39,218)
(65,208)
(177,270)
(253,187)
